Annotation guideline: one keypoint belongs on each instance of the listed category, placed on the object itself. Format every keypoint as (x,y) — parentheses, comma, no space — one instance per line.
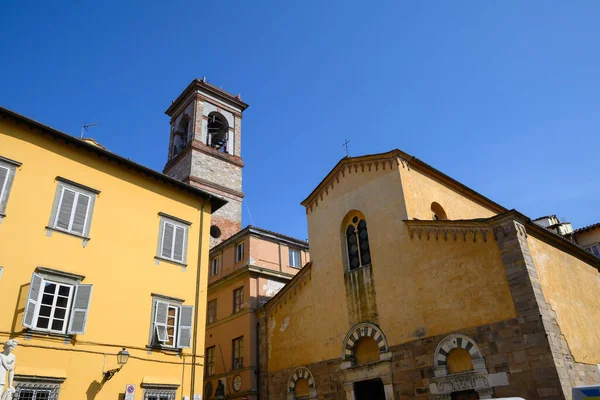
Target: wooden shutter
(167,240)
(3,180)
(32,300)
(178,249)
(160,320)
(80,309)
(81,211)
(186,315)
(65,208)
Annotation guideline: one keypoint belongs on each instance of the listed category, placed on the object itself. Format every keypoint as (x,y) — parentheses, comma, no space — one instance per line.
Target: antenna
(85,127)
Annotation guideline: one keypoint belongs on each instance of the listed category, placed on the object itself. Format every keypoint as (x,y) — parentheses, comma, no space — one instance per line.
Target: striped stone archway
(359,331)
(299,373)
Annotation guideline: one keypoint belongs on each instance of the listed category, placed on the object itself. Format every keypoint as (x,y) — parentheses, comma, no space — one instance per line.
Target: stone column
(349,390)
(388,387)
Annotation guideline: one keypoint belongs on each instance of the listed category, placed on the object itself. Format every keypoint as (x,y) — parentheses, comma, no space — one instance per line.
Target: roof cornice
(382,160)
(215,201)
(206,87)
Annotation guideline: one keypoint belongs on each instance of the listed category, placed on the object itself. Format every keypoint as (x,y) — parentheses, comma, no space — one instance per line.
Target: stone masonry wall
(213,169)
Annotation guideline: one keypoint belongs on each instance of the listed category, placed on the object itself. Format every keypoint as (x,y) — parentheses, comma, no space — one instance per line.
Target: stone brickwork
(526,356)
(217,170)
(549,368)
(181,169)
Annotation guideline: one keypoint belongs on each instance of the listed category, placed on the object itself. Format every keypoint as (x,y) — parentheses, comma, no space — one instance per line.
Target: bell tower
(205,150)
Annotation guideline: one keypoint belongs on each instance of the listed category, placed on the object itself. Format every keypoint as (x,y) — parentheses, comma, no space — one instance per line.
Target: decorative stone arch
(299,373)
(445,383)
(453,342)
(381,369)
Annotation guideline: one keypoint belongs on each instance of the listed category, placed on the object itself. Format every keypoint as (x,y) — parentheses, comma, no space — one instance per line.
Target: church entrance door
(466,395)
(369,390)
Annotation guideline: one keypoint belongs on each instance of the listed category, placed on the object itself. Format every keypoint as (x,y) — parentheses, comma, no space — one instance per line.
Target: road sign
(129,392)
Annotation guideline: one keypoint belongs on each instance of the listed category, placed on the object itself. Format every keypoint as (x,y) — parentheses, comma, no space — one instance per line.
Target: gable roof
(587,228)
(410,161)
(216,202)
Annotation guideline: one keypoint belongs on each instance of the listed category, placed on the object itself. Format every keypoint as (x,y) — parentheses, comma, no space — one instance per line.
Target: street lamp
(122,358)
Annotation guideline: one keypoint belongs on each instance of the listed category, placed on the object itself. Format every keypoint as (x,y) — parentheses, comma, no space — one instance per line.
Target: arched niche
(301,377)
(360,331)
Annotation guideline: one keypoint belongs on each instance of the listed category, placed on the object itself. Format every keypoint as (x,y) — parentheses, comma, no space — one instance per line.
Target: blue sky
(501,95)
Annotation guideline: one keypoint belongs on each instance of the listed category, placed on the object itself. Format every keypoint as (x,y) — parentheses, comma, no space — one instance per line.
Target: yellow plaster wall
(118,261)
(422,287)
(571,287)
(422,190)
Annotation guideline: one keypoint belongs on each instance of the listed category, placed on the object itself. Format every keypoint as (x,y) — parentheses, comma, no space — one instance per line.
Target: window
(159,394)
(238,353)
(238,299)
(438,212)
(73,207)
(56,307)
(214,266)
(181,135)
(173,236)
(172,324)
(212,311)
(595,249)
(239,252)
(294,258)
(36,391)
(7,175)
(357,244)
(210,361)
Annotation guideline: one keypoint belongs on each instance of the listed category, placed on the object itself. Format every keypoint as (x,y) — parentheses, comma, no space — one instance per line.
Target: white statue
(7,364)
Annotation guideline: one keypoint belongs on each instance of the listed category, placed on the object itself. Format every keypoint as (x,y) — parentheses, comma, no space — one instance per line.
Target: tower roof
(201,84)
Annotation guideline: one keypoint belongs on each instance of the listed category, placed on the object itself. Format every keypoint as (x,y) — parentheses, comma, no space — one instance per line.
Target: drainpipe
(196,305)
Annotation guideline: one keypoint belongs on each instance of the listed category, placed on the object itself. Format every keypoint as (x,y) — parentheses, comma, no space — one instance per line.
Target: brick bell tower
(205,148)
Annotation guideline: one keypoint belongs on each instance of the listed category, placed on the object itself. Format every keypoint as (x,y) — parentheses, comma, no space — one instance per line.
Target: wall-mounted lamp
(122,358)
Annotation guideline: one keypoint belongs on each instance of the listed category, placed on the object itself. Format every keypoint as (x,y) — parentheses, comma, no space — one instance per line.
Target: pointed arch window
(357,243)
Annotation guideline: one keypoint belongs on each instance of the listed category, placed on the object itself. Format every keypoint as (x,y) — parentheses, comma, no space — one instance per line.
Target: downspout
(196,304)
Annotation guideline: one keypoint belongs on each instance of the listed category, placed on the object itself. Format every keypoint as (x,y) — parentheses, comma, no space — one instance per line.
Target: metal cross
(346,145)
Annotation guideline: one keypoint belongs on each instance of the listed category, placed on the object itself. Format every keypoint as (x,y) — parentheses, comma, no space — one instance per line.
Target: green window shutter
(167,242)
(179,243)
(65,208)
(160,320)
(81,211)
(186,315)
(32,300)
(80,309)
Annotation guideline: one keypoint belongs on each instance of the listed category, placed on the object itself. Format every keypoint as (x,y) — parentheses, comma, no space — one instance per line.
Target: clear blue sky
(502,95)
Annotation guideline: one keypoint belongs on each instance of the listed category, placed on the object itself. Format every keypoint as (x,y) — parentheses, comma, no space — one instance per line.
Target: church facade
(421,288)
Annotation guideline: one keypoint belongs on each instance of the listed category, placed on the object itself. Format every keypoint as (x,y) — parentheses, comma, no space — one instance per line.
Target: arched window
(438,212)
(301,384)
(180,137)
(358,252)
(217,128)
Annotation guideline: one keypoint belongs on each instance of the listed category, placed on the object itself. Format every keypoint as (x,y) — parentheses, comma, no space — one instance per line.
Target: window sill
(181,264)
(170,350)
(50,230)
(359,268)
(33,333)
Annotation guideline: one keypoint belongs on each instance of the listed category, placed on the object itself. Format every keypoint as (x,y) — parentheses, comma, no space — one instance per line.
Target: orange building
(245,271)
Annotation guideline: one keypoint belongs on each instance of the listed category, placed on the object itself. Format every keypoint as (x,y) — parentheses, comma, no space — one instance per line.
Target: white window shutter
(167,240)
(65,207)
(186,316)
(160,320)
(80,309)
(3,179)
(81,211)
(32,300)
(179,242)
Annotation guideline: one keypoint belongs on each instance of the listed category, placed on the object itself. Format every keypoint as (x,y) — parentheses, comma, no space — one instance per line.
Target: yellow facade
(407,273)
(441,293)
(118,260)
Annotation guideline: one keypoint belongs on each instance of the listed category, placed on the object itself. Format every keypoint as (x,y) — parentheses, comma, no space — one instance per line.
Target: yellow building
(98,254)
(421,288)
